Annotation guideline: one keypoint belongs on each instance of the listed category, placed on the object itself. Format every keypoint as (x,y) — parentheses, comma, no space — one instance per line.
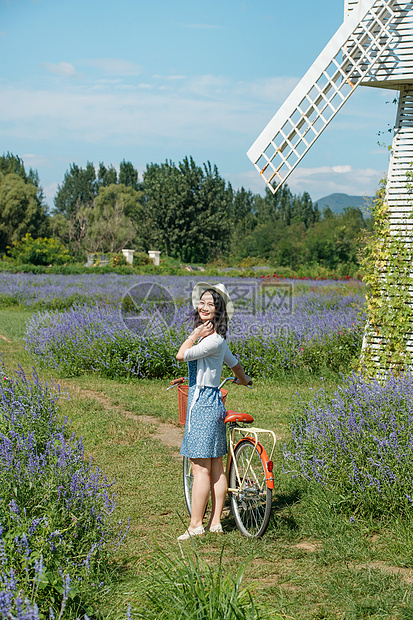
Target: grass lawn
(311,564)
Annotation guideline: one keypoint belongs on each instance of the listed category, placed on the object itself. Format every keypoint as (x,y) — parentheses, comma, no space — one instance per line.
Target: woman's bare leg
(201,488)
(218,490)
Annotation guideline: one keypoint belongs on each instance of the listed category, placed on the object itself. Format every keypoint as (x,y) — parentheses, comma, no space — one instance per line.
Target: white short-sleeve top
(211,353)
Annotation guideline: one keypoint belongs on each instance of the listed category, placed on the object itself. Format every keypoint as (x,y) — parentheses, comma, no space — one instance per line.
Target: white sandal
(216,529)
(198,531)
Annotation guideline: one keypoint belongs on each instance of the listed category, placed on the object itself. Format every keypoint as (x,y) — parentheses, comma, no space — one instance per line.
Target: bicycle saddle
(234,416)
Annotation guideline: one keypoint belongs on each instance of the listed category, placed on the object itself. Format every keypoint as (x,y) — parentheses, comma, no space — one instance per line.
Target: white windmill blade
(346,60)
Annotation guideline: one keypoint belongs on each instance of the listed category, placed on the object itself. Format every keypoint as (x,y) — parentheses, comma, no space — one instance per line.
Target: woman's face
(206,307)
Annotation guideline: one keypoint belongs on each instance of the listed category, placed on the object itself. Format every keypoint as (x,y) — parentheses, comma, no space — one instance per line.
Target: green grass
(12,324)
(312,564)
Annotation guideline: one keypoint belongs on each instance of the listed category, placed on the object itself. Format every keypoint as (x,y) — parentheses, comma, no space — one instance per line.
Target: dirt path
(170,434)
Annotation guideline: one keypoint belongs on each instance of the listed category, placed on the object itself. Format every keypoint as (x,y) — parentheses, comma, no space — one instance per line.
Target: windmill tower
(373,47)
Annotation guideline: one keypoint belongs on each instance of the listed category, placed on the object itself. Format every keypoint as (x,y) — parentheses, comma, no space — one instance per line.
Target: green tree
(72,231)
(336,239)
(77,198)
(13,163)
(260,242)
(283,245)
(110,226)
(244,211)
(106,176)
(276,207)
(21,210)
(304,211)
(79,189)
(189,208)
(128,175)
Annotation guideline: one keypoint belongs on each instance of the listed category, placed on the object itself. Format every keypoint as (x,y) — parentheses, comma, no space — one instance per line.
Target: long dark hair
(220,320)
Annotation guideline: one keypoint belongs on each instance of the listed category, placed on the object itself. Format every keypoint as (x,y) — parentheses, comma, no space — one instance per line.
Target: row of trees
(22,208)
(187,211)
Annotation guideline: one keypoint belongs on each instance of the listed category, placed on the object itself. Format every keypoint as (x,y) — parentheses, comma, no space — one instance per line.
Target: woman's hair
(220,320)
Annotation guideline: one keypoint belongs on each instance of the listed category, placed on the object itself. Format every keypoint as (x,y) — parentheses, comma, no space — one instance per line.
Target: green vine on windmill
(387,271)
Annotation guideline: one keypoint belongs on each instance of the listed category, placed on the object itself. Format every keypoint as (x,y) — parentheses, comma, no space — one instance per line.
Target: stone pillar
(154,255)
(128,254)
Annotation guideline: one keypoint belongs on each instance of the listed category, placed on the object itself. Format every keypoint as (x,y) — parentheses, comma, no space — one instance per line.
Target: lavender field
(121,325)
(55,290)
(345,476)
(56,508)
(358,445)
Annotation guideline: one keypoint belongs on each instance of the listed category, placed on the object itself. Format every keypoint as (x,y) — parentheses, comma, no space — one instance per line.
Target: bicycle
(248,468)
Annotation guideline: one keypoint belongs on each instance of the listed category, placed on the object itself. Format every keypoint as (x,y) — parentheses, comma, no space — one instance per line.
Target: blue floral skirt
(205,433)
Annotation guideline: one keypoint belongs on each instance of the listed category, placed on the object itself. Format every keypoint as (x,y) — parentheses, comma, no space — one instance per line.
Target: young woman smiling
(205,441)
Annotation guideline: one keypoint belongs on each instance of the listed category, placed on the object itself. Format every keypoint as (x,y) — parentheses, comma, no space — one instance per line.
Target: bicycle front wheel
(187,480)
(251,499)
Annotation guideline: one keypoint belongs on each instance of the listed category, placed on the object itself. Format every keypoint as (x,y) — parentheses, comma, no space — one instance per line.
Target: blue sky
(103,81)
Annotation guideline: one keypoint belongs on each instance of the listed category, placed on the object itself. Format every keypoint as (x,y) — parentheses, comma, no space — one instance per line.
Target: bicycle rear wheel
(251,503)
(187,480)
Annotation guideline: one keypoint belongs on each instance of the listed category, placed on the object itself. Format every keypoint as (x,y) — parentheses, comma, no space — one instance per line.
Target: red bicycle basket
(183,401)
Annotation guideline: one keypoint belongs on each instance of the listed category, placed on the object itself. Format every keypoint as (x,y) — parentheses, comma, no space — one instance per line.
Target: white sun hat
(201,287)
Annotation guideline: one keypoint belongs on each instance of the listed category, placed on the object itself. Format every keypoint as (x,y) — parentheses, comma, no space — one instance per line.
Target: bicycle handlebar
(176,382)
(234,380)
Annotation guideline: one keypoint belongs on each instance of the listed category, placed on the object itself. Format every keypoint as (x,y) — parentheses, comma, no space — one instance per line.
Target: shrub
(41,251)
(322,330)
(55,523)
(141,258)
(335,351)
(92,338)
(117,260)
(358,446)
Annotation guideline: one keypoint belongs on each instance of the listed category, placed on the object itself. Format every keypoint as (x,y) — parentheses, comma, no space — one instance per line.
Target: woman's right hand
(204,330)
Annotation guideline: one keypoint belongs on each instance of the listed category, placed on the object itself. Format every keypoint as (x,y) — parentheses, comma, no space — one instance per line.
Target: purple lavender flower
(358,444)
(94,337)
(50,493)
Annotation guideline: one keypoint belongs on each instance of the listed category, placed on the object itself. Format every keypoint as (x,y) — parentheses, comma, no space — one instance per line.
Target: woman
(205,441)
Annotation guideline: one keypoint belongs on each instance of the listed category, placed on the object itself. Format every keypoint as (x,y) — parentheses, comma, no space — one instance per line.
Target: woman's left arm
(241,376)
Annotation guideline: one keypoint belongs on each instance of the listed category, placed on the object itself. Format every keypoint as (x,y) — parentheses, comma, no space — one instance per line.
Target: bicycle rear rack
(252,435)
(254,432)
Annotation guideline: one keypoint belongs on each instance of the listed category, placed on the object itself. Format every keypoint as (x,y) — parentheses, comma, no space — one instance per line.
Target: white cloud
(274,90)
(318,182)
(65,69)
(341,169)
(340,179)
(131,116)
(36,161)
(209,116)
(208,86)
(249,179)
(114,66)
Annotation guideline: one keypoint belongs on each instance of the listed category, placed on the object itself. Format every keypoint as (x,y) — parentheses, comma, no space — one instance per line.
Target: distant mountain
(338,202)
